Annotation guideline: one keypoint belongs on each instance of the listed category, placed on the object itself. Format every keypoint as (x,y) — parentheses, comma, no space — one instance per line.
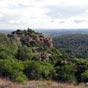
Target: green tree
(39,70)
(66,73)
(24,53)
(12,69)
(84,76)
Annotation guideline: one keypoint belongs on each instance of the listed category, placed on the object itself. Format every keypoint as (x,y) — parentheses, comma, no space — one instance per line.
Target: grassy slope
(38,84)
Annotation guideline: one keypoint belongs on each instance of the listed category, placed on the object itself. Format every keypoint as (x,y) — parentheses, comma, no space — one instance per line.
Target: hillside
(36,43)
(59,32)
(26,55)
(26,49)
(75,45)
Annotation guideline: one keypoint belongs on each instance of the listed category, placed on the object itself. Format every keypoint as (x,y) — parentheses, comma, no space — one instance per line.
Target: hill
(28,55)
(59,32)
(52,32)
(26,49)
(75,45)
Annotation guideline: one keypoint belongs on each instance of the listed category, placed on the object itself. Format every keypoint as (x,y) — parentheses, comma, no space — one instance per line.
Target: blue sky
(43,14)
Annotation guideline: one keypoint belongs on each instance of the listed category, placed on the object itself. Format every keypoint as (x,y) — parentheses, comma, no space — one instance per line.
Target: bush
(19,77)
(24,53)
(66,73)
(3,55)
(39,70)
(12,69)
(81,66)
(48,70)
(84,76)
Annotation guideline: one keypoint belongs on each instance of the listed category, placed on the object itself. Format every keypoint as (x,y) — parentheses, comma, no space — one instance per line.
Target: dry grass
(38,84)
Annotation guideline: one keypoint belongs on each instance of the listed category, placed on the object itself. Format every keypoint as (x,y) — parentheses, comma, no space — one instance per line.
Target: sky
(50,14)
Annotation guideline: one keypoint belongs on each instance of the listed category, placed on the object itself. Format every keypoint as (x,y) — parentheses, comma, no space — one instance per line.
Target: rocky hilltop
(40,45)
(31,37)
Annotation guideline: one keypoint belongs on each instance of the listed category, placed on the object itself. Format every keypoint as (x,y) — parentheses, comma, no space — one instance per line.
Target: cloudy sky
(43,14)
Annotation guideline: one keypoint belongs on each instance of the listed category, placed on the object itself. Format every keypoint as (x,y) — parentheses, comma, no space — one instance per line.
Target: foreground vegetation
(22,60)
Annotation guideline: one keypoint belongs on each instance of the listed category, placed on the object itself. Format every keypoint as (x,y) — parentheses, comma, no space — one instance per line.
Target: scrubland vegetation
(27,55)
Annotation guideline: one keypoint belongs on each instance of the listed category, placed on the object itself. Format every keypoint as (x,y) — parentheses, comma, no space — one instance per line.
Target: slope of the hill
(27,44)
(75,45)
(27,55)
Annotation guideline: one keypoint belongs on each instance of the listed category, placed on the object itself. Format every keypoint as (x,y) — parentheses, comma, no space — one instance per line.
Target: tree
(39,70)
(12,69)
(66,73)
(24,53)
(84,76)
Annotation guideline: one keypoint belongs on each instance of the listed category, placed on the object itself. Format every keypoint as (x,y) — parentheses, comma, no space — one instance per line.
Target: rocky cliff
(30,37)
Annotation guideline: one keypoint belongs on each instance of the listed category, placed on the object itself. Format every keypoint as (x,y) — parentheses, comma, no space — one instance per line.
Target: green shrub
(12,69)
(39,70)
(84,76)
(48,70)
(3,55)
(19,77)
(81,66)
(24,53)
(66,73)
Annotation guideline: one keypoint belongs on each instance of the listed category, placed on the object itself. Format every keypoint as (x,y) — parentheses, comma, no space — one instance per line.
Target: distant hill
(59,32)
(54,32)
(6,31)
(75,45)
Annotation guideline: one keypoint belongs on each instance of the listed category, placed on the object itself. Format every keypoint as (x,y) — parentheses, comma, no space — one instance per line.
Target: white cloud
(1,15)
(33,13)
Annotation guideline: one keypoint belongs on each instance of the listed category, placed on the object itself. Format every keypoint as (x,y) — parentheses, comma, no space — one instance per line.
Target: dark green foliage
(7,45)
(4,40)
(75,45)
(19,77)
(84,76)
(24,53)
(39,70)
(66,73)
(12,69)
(24,41)
(81,66)
(30,31)
(3,55)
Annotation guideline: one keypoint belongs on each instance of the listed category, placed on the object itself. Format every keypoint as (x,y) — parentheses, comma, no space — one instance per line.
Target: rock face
(48,42)
(31,37)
